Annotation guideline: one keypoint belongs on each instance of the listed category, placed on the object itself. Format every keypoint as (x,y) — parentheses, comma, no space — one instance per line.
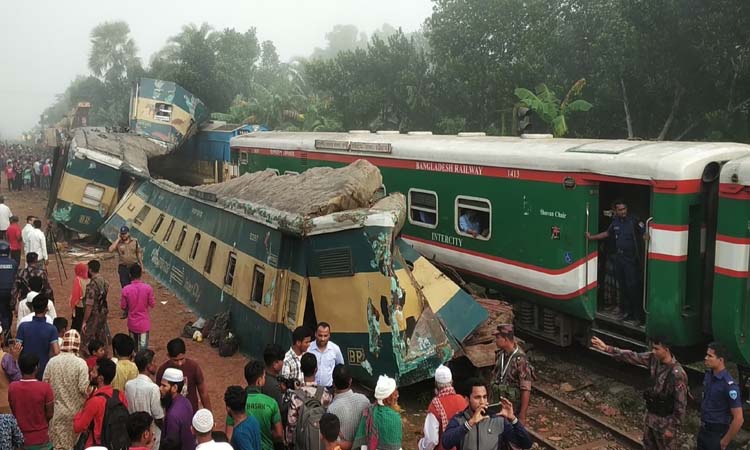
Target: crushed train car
(283,251)
(96,166)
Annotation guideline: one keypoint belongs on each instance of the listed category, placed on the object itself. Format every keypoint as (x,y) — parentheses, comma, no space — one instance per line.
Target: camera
(492,409)
(288,383)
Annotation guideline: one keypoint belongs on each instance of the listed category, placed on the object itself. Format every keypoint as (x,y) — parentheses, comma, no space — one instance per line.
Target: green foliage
(550,109)
(681,69)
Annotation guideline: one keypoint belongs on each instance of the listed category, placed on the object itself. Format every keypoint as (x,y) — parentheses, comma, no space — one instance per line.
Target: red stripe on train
(733,239)
(476,254)
(583,179)
(732,273)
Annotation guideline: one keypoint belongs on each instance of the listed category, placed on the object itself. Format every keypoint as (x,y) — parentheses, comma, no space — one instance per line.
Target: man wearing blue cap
(129,253)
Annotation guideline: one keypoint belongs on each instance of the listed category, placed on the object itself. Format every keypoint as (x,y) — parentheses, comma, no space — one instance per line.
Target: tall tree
(113,51)
(113,59)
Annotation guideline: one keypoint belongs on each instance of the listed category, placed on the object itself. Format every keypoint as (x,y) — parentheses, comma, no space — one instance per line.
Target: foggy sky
(44,44)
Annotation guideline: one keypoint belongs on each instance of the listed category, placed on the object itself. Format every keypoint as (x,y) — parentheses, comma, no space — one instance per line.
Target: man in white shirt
(25,234)
(202,426)
(143,394)
(37,173)
(38,242)
(327,353)
(36,284)
(4,218)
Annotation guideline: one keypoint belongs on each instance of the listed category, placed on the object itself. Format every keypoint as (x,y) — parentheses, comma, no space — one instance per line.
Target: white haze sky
(44,44)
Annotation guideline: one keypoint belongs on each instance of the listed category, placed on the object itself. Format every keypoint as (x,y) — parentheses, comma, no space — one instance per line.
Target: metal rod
(586,249)
(645,264)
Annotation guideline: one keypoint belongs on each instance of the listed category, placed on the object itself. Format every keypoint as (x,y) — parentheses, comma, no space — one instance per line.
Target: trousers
(710,434)
(628,279)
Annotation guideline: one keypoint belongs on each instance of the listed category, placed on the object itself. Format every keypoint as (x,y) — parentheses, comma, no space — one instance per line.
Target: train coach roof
(739,167)
(126,151)
(632,159)
(319,200)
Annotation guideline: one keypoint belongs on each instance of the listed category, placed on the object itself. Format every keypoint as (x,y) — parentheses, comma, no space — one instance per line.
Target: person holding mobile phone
(513,374)
(475,428)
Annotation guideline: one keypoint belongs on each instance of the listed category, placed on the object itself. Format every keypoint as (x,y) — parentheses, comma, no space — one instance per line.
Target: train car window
(473,217)
(380,193)
(423,208)
(142,214)
(163,112)
(196,244)
(231,264)
(210,257)
(291,313)
(157,224)
(259,278)
(181,239)
(243,158)
(170,228)
(92,195)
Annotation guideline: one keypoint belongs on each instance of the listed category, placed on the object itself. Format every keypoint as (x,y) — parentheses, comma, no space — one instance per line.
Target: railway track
(599,433)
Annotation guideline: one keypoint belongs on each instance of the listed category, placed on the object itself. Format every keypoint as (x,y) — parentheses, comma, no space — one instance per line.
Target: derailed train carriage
(283,251)
(95,167)
(537,196)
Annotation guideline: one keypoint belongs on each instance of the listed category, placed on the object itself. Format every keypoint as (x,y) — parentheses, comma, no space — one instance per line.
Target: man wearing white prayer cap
(178,412)
(203,425)
(380,426)
(443,407)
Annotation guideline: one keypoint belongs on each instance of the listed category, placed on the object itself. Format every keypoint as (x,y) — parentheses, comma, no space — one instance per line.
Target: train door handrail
(586,248)
(645,263)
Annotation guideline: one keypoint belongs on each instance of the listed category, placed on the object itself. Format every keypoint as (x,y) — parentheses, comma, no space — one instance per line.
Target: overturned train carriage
(93,172)
(283,251)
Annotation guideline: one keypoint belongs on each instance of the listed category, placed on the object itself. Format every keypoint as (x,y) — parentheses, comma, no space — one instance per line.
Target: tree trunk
(628,119)
(678,91)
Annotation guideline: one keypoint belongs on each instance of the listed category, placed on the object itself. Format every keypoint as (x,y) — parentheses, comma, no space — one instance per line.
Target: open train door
(617,267)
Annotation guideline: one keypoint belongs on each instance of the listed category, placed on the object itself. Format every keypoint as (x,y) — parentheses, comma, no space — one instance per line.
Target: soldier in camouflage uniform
(95,326)
(666,400)
(513,374)
(34,268)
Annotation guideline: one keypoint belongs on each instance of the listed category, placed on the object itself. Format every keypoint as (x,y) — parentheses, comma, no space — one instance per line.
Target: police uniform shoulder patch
(733,394)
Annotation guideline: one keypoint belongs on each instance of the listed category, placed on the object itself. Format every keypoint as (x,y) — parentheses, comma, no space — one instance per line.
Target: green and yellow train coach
(390,310)
(535,197)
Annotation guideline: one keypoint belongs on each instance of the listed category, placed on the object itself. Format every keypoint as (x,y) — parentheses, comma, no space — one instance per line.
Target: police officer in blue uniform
(8,269)
(627,232)
(721,407)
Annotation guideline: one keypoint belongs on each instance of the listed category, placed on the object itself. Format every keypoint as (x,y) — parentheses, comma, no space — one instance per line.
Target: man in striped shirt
(300,342)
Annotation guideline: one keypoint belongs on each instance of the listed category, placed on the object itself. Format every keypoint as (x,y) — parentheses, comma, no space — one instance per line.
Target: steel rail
(620,436)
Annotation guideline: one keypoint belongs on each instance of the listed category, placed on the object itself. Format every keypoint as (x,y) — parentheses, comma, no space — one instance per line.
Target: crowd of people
(26,167)
(70,384)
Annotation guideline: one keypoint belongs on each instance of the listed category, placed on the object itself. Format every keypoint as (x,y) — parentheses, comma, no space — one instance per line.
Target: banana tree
(550,109)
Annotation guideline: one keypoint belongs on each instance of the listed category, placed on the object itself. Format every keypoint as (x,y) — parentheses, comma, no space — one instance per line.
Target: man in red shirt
(140,431)
(14,239)
(195,382)
(103,374)
(32,402)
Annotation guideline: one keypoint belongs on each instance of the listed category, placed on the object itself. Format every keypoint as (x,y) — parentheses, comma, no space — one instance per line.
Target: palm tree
(113,51)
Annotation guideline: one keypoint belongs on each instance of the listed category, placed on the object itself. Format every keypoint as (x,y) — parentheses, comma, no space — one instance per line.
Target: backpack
(307,433)
(114,431)
(228,345)
(218,330)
